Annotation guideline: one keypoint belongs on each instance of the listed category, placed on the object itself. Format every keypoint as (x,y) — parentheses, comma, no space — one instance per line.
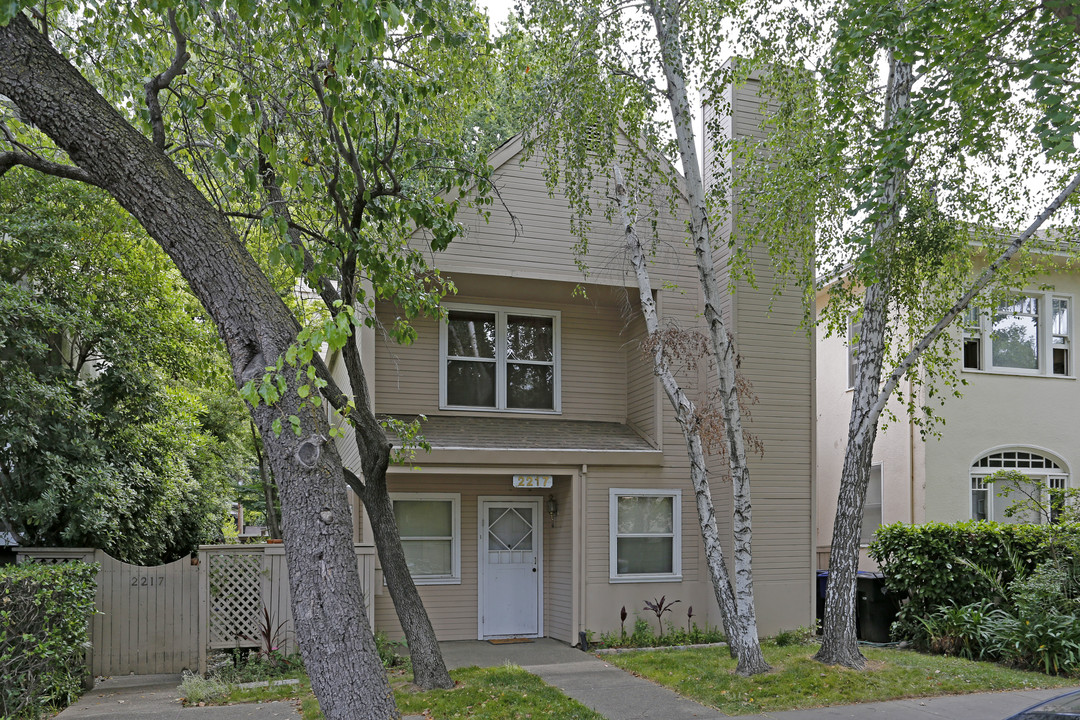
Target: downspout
(582,556)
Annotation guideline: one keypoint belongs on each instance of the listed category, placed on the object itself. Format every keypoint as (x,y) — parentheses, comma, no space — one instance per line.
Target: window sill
(645,579)
(1013,373)
(515,411)
(432,581)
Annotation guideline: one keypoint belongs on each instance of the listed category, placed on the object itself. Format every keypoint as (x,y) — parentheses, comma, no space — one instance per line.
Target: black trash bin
(875,608)
(822,583)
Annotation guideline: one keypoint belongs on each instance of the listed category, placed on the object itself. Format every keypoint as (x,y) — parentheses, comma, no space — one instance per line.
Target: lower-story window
(871,518)
(645,535)
(430,528)
(1034,490)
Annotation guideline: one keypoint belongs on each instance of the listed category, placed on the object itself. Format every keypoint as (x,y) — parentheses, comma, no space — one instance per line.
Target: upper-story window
(500,359)
(1031,334)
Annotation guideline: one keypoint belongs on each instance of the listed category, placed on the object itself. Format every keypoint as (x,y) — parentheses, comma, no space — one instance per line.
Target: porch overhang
(531,441)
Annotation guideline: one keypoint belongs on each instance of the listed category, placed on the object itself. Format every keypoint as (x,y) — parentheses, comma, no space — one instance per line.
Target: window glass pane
(1015,336)
(424,518)
(853,351)
(530,386)
(470,334)
(470,383)
(510,529)
(872,507)
(1061,317)
(645,514)
(972,353)
(428,557)
(530,338)
(648,555)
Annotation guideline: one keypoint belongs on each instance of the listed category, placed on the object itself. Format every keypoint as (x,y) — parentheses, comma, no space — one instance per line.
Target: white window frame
(1055,478)
(454,578)
(613,536)
(881,505)
(501,313)
(980,328)
(852,350)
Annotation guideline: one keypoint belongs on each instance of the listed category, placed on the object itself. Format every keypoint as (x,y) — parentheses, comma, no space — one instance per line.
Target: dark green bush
(44,616)
(939,564)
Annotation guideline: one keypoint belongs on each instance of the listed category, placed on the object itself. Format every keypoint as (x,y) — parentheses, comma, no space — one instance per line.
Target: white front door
(510,556)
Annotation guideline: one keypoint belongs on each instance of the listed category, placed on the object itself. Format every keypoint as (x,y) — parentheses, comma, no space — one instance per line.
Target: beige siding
(453,609)
(593,366)
(642,389)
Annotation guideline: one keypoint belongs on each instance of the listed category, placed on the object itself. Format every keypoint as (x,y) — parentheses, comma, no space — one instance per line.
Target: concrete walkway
(157,697)
(619,695)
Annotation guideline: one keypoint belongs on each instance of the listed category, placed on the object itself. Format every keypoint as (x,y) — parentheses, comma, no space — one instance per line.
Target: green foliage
(388,652)
(120,428)
(198,689)
(643,636)
(250,666)
(939,564)
(44,617)
(987,590)
(798,681)
(798,636)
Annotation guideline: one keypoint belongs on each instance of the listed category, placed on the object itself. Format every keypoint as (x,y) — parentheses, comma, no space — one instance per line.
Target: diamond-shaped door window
(510,528)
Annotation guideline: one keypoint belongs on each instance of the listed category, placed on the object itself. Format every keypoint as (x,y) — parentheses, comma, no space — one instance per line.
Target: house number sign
(532,481)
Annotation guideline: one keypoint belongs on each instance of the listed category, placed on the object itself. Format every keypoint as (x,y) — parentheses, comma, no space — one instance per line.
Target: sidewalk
(157,697)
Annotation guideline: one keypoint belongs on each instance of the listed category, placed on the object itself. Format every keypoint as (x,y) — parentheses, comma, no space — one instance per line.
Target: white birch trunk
(741,631)
(838,642)
(668,29)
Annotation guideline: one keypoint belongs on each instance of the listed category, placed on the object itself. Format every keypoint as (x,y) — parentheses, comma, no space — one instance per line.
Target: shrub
(197,689)
(938,564)
(964,630)
(43,635)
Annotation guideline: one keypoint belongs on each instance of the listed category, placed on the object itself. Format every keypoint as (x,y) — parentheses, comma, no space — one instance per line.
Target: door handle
(534,569)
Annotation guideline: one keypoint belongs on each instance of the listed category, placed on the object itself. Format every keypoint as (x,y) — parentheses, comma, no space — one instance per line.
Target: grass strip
(797,681)
(499,693)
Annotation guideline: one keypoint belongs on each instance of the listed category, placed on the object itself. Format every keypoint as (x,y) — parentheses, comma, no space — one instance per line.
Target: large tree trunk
(429,669)
(328,610)
(668,34)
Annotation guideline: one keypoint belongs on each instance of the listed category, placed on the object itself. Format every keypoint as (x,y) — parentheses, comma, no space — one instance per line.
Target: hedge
(924,563)
(44,618)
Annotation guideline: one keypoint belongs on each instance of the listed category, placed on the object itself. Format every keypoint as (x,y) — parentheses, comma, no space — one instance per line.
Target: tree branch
(161,81)
(984,279)
(9,160)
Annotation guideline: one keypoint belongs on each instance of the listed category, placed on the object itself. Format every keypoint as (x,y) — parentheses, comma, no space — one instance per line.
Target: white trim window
(1028,335)
(430,528)
(645,535)
(499,359)
(1048,479)
(872,516)
(854,332)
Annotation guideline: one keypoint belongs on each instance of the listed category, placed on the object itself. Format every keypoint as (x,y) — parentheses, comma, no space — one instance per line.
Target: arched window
(1048,479)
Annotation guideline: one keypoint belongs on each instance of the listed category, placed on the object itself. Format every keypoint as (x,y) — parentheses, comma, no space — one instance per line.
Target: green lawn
(797,681)
(500,693)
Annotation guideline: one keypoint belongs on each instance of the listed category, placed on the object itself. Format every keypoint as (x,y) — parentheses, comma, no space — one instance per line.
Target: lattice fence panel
(235,599)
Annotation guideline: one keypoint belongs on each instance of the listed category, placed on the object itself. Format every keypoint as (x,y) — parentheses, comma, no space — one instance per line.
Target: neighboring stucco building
(530,383)
(1020,410)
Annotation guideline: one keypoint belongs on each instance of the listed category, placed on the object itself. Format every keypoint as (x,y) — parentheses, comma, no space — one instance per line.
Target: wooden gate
(147,618)
(167,618)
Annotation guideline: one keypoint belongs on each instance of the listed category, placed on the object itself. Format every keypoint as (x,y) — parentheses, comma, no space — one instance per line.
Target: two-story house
(1018,410)
(557,489)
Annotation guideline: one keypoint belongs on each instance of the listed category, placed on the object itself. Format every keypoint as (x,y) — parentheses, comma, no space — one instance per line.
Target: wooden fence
(168,618)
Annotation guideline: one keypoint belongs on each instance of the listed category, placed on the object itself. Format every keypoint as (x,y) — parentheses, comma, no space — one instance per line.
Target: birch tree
(928,191)
(206,115)
(637,65)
